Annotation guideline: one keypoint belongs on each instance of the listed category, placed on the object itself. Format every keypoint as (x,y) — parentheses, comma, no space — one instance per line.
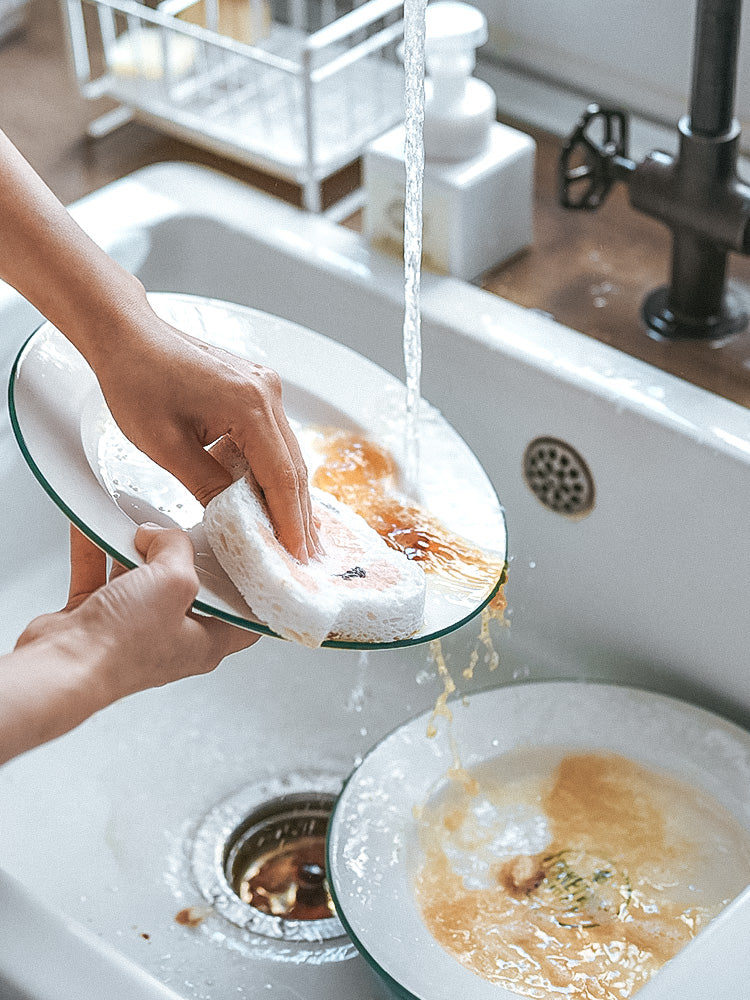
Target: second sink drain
(259,858)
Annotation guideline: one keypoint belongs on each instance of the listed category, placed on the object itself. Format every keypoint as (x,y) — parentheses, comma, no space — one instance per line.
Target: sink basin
(640,579)
(76,963)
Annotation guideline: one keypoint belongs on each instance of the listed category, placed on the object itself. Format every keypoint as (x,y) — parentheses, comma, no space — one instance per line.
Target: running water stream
(414,35)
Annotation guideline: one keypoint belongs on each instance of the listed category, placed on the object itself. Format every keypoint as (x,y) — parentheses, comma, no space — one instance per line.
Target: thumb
(171,550)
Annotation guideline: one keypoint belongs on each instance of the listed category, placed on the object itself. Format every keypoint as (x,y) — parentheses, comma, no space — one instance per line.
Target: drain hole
(259,858)
(276,863)
(558,476)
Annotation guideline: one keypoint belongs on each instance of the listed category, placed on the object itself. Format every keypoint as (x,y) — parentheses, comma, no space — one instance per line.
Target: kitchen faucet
(697,193)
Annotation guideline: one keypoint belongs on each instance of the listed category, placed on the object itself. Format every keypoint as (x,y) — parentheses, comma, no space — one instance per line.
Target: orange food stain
(192,916)
(598,912)
(361,474)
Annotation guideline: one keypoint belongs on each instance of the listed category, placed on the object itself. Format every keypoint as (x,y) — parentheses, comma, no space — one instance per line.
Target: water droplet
(356,700)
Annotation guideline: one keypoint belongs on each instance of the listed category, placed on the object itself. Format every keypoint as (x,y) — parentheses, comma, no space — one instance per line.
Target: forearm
(47,687)
(48,258)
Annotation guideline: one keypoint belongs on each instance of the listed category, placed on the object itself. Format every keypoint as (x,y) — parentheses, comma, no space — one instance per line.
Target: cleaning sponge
(358,590)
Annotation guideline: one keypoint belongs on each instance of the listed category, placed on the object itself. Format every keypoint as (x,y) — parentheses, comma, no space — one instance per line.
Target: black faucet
(697,194)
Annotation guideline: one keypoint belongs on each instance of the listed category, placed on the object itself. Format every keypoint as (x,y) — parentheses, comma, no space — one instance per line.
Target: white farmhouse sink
(650,588)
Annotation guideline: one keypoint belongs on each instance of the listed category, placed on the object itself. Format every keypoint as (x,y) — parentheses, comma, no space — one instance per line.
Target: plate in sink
(106,486)
(510,735)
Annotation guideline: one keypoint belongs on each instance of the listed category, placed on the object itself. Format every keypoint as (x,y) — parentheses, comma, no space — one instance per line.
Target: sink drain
(558,477)
(277,864)
(259,858)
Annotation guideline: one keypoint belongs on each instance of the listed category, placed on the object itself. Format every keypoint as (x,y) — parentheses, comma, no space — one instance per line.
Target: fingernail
(152,524)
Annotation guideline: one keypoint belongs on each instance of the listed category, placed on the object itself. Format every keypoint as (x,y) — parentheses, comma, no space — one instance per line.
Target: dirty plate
(373,848)
(106,486)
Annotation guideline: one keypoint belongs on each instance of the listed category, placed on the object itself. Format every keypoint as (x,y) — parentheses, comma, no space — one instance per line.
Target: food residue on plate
(573,874)
(363,475)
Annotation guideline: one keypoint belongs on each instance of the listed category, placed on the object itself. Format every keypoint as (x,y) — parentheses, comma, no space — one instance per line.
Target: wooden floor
(589,270)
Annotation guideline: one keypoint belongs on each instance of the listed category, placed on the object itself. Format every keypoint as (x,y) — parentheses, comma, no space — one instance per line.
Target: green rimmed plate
(374,849)
(106,486)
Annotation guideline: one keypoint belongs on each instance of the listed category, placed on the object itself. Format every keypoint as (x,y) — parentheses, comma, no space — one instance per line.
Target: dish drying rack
(295,88)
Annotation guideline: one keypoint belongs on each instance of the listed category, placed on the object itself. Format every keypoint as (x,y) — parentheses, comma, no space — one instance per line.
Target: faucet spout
(697,194)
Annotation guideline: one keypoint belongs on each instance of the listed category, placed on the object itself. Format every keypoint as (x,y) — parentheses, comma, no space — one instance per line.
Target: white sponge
(359,590)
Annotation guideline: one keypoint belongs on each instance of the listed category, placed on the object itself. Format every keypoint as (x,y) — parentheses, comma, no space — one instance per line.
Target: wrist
(76,665)
(111,325)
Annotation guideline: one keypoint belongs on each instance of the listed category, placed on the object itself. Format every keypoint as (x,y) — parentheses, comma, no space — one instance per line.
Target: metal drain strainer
(259,858)
(558,477)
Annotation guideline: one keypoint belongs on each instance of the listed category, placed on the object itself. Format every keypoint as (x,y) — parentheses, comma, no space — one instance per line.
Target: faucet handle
(593,158)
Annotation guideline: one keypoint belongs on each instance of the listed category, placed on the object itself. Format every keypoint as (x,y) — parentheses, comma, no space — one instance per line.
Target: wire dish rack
(296,88)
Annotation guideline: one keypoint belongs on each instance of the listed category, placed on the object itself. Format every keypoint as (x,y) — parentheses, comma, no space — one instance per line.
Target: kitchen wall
(637,53)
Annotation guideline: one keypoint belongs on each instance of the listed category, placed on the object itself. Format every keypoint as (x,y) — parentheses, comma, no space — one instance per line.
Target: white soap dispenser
(477,198)
(458,109)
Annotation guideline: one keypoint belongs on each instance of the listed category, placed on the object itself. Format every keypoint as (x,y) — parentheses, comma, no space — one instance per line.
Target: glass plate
(373,848)
(106,486)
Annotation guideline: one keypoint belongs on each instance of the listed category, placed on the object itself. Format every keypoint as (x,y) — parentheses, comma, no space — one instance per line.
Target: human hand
(111,639)
(176,395)
(138,628)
